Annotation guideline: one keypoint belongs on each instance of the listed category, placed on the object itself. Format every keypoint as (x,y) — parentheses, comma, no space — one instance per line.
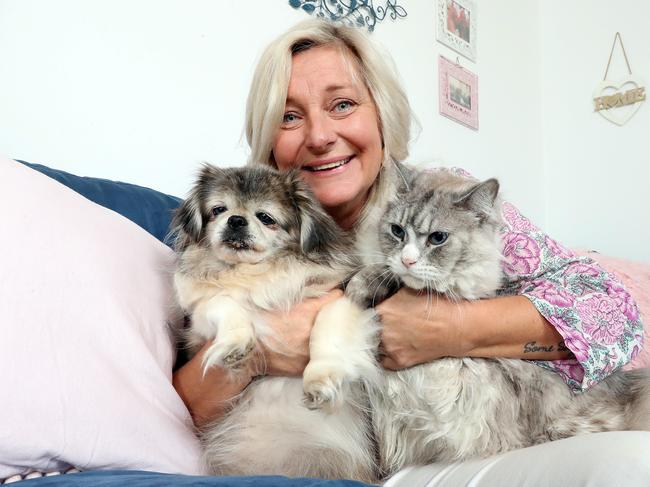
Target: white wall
(597,173)
(144,90)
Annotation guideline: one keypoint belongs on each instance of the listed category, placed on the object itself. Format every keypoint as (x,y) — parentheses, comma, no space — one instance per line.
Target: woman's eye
(397,231)
(264,218)
(218,210)
(343,106)
(289,118)
(438,238)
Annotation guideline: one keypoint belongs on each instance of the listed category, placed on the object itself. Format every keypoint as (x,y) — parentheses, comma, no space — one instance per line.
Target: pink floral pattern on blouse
(590,307)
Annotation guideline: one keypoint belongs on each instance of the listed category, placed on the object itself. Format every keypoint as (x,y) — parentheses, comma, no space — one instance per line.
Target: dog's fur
(253,239)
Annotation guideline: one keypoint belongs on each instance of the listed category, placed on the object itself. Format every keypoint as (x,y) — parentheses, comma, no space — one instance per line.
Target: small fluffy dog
(253,239)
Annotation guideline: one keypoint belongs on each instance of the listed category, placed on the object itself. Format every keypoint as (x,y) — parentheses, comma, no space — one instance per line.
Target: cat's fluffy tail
(638,415)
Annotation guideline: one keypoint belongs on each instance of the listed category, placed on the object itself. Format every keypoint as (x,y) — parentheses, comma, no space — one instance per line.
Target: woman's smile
(328,166)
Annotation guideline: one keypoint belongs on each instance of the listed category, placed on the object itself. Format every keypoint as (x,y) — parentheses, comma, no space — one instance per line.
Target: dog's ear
(318,231)
(188,221)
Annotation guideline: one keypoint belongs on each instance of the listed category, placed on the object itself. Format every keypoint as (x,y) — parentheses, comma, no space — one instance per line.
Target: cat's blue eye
(438,238)
(218,210)
(397,231)
(264,218)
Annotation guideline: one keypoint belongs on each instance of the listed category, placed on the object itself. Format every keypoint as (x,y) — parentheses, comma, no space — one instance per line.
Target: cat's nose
(408,261)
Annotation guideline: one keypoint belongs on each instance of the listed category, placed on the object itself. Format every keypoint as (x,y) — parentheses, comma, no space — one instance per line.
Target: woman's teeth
(330,165)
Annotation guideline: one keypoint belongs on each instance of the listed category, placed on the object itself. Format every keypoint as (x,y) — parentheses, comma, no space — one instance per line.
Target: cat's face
(428,234)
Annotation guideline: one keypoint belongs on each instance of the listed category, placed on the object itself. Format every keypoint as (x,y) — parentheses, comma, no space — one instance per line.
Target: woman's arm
(208,396)
(418,329)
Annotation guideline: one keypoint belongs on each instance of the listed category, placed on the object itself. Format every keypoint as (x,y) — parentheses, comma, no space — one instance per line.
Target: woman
(323,100)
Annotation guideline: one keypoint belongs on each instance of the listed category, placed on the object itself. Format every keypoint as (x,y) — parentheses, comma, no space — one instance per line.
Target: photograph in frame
(458,93)
(456,26)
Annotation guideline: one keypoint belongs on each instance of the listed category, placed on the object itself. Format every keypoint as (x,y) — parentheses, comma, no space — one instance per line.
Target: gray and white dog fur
(458,408)
(251,240)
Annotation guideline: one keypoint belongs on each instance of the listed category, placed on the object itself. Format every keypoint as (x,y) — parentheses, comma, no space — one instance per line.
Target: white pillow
(86,355)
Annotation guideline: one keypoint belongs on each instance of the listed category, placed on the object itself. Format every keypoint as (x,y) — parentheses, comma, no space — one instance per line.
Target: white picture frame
(456,26)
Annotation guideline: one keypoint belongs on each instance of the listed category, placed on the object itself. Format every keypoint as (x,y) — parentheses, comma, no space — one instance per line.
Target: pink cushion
(636,278)
(86,358)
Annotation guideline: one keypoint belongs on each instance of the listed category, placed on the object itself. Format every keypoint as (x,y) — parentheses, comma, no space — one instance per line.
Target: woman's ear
(318,231)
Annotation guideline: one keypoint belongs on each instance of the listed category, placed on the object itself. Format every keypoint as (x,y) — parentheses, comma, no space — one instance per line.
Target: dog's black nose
(236,221)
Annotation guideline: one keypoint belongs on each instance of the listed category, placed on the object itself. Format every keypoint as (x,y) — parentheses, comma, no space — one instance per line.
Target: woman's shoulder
(435,169)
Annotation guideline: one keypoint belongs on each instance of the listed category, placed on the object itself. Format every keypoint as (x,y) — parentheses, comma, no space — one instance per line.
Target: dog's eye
(438,238)
(397,231)
(218,210)
(264,218)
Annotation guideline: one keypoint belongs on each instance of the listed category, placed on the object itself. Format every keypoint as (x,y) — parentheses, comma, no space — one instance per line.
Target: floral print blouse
(589,307)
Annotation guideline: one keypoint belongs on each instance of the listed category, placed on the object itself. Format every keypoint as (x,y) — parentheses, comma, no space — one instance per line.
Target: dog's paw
(237,356)
(230,354)
(323,386)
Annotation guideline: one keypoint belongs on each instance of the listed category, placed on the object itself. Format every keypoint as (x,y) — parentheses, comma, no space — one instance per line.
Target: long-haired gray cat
(441,235)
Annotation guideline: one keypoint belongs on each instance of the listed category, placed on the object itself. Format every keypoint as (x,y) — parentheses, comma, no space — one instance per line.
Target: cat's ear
(480,198)
(318,231)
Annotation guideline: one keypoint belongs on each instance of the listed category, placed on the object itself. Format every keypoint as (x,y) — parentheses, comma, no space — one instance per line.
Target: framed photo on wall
(457,93)
(457,26)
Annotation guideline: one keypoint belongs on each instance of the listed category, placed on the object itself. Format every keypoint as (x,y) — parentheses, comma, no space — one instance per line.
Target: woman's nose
(321,134)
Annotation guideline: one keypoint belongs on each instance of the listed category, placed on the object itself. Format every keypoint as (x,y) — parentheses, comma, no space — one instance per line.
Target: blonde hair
(268,92)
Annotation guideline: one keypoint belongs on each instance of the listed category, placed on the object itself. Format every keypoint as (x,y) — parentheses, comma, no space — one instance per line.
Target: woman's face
(330,131)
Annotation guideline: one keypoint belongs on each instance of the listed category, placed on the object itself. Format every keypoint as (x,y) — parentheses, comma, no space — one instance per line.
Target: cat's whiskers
(387,275)
(429,298)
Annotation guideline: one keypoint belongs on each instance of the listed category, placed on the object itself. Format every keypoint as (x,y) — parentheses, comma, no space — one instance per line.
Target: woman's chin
(339,197)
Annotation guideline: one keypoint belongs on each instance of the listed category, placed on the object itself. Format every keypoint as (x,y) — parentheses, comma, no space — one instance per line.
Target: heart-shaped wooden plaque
(619,101)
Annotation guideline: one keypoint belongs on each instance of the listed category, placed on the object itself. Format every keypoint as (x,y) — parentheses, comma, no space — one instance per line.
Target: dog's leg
(224,318)
(342,350)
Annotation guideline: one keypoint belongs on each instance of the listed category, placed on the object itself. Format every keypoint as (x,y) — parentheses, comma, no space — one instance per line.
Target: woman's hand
(417,329)
(207,395)
(287,350)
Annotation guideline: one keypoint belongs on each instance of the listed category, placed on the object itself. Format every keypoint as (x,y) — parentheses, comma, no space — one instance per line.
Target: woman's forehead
(325,69)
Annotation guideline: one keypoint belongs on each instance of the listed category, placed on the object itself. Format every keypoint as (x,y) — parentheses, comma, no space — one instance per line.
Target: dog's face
(251,213)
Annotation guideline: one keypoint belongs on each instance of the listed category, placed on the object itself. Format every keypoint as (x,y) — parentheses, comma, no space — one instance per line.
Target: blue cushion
(116,478)
(150,209)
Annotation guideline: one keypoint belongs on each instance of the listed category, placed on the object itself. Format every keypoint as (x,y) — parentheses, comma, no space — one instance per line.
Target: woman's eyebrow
(328,89)
(332,88)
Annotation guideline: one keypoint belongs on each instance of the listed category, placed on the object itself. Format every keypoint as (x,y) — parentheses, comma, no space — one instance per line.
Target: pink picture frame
(457,93)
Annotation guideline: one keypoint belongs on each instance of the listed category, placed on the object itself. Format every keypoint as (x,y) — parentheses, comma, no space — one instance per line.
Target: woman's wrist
(509,327)
(207,395)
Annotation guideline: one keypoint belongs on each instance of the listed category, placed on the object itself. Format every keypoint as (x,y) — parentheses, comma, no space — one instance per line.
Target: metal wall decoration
(360,13)
(617,101)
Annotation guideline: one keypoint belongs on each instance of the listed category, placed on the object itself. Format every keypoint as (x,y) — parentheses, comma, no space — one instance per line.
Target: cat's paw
(323,386)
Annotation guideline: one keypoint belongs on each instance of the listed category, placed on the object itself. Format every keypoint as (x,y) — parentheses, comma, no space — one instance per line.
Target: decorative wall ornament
(618,101)
(360,13)
(457,92)
(456,26)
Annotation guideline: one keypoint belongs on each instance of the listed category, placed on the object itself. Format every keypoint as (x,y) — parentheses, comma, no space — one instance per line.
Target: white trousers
(620,458)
